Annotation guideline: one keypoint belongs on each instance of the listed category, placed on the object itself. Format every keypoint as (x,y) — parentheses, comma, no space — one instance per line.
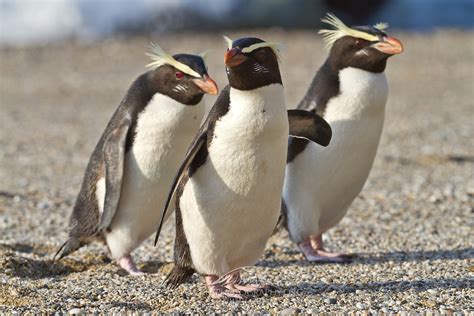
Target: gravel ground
(411,228)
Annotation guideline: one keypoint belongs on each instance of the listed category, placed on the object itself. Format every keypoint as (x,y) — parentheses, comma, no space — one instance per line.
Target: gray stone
(361,305)
(76,311)
(290,311)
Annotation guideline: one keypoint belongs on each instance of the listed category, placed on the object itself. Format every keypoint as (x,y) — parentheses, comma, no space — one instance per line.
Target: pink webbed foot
(313,250)
(230,285)
(126,262)
(220,291)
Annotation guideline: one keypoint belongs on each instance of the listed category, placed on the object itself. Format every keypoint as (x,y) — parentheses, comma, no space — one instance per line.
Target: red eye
(179,75)
(361,43)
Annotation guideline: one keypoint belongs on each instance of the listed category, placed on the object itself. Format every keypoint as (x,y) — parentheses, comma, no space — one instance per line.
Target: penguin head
(363,47)
(251,63)
(182,77)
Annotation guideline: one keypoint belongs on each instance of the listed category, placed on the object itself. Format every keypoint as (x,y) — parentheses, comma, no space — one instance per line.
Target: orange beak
(233,57)
(207,85)
(389,45)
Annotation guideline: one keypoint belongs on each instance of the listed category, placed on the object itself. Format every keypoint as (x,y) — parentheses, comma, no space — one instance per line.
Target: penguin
(133,165)
(350,92)
(228,189)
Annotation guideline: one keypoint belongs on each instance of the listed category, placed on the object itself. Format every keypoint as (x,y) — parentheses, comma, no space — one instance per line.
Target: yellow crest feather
(228,41)
(339,29)
(159,57)
(382,26)
(204,54)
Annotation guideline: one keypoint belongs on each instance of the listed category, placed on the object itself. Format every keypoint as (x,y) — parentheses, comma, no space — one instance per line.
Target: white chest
(250,135)
(362,94)
(231,204)
(336,174)
(356,117)
(163,129)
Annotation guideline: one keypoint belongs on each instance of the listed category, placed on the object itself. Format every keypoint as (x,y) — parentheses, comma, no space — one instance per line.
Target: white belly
(231,204)
(164,131)
(321,183)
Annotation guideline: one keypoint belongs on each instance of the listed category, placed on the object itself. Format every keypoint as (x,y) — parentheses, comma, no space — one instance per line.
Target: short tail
(177,276)
(71,245)
(282,222)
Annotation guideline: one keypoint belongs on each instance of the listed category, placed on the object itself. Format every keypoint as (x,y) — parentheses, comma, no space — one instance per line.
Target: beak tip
(207,85)
(390,46)
(397,45)
(233,57)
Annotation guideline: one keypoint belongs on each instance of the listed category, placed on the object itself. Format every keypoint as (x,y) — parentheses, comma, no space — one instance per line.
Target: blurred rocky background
(44,21)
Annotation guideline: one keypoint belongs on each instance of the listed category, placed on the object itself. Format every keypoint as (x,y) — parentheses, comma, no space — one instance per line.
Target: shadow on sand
(308,288)
(45,267)
(377,258)
(30,268)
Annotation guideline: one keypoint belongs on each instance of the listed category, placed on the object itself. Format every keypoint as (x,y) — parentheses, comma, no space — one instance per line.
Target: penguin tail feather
(177,276)
(71,245)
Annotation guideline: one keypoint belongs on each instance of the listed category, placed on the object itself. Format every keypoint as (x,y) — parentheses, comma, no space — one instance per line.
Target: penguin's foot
(126,262)
(220,291)
(231,285)
(328,257)
(313,250)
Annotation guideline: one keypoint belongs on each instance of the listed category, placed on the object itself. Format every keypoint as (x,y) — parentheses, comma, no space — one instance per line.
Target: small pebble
(361,305)
(330,300)
(76,311)
(42,205)
(290,311)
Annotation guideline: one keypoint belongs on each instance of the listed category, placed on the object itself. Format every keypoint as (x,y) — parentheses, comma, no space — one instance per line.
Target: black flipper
(114,156)
(199,141)
(202,139)
(305,124)
(183,265)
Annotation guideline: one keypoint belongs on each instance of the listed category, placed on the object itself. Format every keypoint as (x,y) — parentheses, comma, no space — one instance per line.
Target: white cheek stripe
(180,88)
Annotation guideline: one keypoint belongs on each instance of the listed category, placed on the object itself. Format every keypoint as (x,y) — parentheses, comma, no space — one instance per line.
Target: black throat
(243,77)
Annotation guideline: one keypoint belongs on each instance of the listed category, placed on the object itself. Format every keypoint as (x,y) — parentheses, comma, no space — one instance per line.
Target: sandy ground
(411,227)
